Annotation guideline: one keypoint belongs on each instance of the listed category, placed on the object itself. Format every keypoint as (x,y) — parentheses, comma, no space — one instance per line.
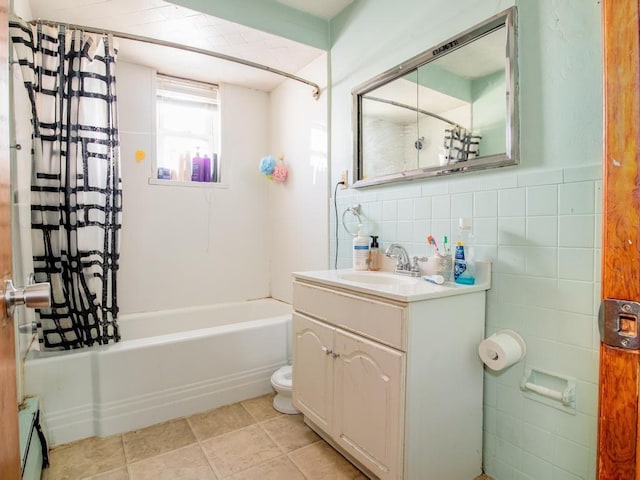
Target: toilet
(281,381)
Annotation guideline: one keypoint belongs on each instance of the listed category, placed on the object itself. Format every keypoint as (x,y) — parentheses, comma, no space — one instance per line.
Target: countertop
(399,288)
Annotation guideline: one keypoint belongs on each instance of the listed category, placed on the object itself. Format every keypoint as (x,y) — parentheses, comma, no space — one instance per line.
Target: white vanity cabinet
(392,380)
(313,365)
(351,388)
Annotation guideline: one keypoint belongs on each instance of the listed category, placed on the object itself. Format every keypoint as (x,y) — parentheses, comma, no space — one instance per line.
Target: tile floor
(244,441)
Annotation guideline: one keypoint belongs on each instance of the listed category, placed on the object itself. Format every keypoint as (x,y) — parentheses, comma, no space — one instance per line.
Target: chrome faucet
(404,266)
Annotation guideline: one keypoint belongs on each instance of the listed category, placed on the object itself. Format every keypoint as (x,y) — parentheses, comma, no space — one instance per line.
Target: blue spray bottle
(464,261)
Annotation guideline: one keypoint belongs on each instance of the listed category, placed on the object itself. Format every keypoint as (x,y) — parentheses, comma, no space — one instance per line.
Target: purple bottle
(206,167)
(201,169)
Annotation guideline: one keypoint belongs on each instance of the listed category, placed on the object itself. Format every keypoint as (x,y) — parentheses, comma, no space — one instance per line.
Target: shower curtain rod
(164,43)
(415,109)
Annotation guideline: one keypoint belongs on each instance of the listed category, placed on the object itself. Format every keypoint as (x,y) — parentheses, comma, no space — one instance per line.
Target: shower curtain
(460,145)
(76,193)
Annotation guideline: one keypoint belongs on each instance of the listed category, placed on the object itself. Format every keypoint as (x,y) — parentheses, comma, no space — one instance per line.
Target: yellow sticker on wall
(140,155)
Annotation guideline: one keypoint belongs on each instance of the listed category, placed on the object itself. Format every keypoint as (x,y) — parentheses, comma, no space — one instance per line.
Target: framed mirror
(450,109)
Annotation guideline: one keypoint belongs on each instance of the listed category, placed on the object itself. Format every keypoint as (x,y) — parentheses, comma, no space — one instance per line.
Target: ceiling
(162,20)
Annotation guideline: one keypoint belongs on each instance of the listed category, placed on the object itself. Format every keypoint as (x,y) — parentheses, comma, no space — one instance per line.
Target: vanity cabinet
(351,388)
(313,366)
(394,385)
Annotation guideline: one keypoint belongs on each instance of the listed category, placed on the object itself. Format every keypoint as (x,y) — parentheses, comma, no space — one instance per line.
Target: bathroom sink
(377,278)
(393,286)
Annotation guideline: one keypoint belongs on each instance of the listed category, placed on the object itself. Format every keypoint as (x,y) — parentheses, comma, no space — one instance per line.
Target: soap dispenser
(360,250)
(374,254)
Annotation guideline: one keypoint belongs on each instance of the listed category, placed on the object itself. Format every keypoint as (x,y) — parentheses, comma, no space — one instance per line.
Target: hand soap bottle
(360,250)
(374,254)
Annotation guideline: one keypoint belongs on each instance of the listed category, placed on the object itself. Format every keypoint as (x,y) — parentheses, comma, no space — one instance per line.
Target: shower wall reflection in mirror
(450,109)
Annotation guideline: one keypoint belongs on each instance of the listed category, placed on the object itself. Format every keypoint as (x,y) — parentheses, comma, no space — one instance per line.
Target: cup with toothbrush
(441,262)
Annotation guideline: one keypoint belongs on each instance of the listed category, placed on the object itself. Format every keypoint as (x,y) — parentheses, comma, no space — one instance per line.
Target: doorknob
(36,295)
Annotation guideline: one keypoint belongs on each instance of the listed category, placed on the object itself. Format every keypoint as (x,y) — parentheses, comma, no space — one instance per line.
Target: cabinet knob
(335,354)
(327,351)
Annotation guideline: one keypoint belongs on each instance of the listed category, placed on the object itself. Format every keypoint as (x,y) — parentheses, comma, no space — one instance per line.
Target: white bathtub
(168,365)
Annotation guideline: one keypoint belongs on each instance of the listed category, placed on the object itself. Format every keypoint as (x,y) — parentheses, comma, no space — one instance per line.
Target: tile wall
(541,231)
(196,235)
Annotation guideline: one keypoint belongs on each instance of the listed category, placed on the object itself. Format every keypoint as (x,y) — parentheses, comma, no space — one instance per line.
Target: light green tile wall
(538,223)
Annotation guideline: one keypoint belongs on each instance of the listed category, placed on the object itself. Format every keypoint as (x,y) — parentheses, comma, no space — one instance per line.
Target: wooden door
(313,370)
(619,366)
(368,400)
(9,440)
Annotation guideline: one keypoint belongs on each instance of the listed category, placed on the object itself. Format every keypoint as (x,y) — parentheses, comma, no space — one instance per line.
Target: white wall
(538,223)
(21,8)
(298,208)
(184,246)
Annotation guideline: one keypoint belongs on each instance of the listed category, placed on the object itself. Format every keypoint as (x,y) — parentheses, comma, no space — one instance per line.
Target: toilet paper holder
(553,388)
(502,349)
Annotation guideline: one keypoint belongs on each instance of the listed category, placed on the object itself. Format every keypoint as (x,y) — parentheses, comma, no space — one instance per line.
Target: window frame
(190,90)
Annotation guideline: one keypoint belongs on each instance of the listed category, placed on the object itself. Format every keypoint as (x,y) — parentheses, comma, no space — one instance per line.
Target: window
(188,139)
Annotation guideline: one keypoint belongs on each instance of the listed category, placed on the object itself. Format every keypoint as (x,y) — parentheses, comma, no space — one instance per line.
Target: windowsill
(176,183)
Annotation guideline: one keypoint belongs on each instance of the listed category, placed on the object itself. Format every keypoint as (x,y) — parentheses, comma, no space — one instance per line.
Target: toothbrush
(432,241)
(446,245)
(437,279)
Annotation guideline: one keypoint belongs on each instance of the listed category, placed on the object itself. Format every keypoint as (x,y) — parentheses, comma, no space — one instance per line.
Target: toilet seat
(282,378)
(282,382)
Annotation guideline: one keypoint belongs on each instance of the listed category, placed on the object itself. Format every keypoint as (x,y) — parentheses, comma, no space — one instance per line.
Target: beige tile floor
(244,441)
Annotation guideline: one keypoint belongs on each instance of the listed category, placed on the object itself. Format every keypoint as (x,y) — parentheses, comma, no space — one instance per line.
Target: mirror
(450,109)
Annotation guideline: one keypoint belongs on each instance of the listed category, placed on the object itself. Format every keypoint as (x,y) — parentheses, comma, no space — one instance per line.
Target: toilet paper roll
(502,349)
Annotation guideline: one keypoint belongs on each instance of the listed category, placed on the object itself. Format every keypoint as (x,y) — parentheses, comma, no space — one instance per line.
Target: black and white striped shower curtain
(460,145)
(76,192)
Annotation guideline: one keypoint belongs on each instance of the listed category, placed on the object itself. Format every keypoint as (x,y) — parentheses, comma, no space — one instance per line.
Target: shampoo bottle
(374,254)
(197,169)
(206,169)
(184,172)
(360,250)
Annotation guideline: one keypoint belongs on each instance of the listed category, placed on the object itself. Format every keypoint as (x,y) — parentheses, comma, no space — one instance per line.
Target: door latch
(618,323)
(36,295)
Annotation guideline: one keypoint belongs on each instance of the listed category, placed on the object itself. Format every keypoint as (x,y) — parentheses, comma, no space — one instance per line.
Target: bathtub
(168,365)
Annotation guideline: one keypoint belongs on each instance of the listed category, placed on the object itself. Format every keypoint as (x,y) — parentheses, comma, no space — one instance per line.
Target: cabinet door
(313,370)
(369,403)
